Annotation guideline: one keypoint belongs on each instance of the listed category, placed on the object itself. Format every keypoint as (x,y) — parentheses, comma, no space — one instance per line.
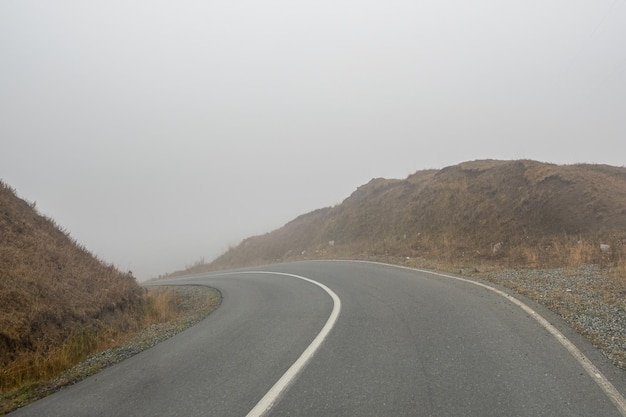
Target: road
(370,340)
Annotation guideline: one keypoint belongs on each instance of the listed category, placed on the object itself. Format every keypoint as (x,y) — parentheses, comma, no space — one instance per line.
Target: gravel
(590,298)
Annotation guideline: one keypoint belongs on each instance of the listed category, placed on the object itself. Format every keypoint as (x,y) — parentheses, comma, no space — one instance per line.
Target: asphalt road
(401,343)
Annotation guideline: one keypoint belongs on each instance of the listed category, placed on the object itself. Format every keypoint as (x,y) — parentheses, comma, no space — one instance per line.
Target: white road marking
(267,402)
(604,384)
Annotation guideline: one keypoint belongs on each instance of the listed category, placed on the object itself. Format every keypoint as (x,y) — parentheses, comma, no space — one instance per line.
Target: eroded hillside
(516,212)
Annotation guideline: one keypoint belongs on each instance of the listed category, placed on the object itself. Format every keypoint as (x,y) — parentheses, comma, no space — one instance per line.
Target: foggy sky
(161,132)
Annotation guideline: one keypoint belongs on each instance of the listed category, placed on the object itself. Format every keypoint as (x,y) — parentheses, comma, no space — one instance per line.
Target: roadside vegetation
(47,361)
(59,304)
(489,214)
(167,311)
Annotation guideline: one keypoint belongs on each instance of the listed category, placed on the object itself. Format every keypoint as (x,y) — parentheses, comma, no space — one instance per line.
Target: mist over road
(404,343)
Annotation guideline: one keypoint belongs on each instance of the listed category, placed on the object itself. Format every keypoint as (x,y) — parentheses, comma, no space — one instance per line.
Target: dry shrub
(556,252)
(619,271)
(31,367)
(579,253)
(161,305)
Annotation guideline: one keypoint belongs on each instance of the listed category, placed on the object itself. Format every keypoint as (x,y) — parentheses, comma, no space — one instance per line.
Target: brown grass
(171,309)
(542,214)
(57,301)
(162,305)
(31,367)
(35,366)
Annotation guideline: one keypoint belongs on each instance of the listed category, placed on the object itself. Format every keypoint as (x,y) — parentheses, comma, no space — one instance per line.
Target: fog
(159,133)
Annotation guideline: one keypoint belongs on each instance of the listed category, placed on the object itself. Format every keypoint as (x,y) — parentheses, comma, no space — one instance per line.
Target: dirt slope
(51,288)
(518,212)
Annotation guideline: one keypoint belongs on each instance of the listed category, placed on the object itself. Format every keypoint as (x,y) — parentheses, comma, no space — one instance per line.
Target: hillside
(54,294)
(520,213)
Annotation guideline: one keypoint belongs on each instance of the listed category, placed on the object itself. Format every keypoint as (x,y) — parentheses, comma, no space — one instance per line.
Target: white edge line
(271,397)
(604,384)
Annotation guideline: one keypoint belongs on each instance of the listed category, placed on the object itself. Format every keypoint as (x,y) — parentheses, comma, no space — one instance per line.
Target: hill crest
(517,212)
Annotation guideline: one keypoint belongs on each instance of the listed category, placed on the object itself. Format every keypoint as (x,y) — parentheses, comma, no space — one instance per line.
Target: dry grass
(619,272)
(167,310)
(162,305)
(57,301)
(30,367)
(541,214)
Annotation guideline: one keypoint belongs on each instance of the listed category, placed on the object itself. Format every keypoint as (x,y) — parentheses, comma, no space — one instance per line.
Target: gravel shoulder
(589,298)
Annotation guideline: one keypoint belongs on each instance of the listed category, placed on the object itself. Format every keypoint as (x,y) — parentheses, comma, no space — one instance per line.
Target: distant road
(394,342)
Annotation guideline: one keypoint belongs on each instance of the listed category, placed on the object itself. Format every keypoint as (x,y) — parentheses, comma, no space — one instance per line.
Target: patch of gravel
(198,302)
(590,298)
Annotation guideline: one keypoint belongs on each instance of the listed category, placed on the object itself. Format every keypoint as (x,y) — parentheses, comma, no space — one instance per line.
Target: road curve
(406,343)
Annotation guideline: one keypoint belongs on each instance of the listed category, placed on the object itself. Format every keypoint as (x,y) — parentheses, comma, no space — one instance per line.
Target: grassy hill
(57,301)
(513,213)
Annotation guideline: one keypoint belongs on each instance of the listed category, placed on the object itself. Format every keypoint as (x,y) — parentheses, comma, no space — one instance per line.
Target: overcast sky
(161,132)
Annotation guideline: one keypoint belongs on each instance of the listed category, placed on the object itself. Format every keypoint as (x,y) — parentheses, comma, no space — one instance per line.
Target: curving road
(355,339)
